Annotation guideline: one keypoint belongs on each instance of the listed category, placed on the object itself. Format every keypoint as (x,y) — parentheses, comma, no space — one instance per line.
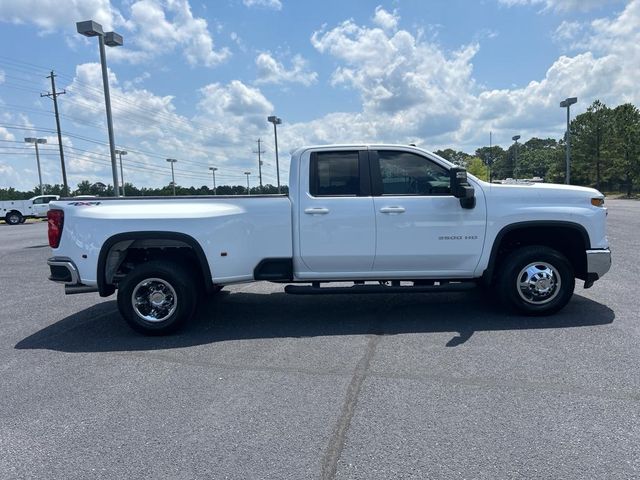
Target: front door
(421,227)
(40,206)
(336,215)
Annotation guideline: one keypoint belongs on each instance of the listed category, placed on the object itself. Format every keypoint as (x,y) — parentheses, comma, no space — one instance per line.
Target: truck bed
(235,232)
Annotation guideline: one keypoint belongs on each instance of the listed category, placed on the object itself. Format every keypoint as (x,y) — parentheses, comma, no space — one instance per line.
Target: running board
(79,288)
(316,290)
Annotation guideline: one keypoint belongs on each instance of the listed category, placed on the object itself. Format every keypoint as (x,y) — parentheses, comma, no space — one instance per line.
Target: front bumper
(598,263)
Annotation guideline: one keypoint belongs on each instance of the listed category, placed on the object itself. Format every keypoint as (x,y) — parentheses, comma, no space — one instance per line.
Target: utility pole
(54,95)
(259,152)
(173,176)
(36,141)
(248,188)
(490,159)
(213,174)
(120,153)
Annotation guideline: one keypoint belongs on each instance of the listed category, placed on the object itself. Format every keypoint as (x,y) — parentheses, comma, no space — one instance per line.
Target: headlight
(597,202)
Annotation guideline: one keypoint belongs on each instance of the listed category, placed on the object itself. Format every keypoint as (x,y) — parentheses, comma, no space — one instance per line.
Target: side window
(405,173)
(47,199)
(39,201)
(334,174)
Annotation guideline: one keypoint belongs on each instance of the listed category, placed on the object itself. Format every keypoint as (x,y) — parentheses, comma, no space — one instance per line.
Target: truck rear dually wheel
(536,280)
(13,218)
(157,297)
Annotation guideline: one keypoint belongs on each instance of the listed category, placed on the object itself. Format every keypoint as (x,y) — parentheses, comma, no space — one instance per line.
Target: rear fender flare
(105,289)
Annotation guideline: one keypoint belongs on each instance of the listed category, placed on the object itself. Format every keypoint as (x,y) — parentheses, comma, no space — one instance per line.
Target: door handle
(316,211)
(392,210)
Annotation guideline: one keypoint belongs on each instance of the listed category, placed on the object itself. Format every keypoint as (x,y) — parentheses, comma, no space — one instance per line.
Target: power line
(127,109)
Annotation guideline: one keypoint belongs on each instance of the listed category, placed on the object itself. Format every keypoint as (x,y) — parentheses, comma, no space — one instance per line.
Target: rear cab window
(339,174)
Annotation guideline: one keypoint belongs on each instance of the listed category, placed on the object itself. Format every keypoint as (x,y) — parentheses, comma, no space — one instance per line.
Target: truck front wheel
(536,280)
(157,297)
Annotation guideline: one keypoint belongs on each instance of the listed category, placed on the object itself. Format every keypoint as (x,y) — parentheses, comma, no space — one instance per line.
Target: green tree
(536,156)
(454,156)
(590,140)
(84,188)
(626,145)
(495,157)
(475,166)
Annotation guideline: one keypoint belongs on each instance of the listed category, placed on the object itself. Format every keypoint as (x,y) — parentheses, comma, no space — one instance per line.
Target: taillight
(56,222)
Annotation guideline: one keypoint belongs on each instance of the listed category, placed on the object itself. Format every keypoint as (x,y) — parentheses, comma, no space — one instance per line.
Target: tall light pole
(36,141)
(515,138)
(248,190)
(213,173)
(90,28)
(120,153)
(173,177)
(276,121)
(567,103)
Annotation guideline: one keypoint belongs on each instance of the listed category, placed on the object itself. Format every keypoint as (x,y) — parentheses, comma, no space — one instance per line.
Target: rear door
(336,216)
(421,227)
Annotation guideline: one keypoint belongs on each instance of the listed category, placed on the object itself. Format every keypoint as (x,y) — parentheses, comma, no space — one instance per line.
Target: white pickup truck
(15,212)
(388,218)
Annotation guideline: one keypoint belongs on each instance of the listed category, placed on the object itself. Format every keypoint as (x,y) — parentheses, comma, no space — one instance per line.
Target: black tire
(13,218)
(175,292)
(23,219)
(536,280)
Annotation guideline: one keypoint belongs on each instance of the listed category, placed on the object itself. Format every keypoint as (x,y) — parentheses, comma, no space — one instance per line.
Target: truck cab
(396,201)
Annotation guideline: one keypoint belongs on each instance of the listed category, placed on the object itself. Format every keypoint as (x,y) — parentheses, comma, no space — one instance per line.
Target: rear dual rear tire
(14,218)
(158,297)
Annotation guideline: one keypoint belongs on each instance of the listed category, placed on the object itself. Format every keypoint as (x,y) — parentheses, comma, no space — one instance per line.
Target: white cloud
(413,90)
(6,134)
(9,177)
(137,114)
(232,111)
(562,5)
(160,26)
(50,14)
(228,116)
(154,27)
(272,4)
(386,20)
(272,71)
(134,109)
(397,74)
(568,32)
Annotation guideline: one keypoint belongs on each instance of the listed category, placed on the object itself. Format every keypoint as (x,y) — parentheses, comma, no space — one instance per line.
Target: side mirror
(460,187)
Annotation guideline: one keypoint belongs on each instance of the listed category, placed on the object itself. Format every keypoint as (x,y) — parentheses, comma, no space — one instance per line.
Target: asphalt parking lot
(268,386)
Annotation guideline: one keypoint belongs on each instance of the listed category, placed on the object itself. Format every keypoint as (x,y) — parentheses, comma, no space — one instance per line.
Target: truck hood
(547,192)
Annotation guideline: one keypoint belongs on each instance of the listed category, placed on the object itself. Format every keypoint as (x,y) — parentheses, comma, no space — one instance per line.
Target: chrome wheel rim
(154,300)
(538,283)
(13,218)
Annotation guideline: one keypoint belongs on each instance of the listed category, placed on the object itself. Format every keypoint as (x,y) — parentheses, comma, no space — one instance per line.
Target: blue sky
(196,80)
